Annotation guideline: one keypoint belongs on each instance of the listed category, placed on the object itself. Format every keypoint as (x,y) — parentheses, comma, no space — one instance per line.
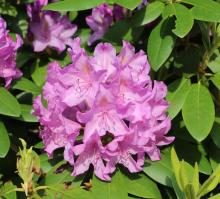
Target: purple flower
(111,98)
(119,12)
(90,152)
(99,21)
(102,18)
(49,28)
(8,49)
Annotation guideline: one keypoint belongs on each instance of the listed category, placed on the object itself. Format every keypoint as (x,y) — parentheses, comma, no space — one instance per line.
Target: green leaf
(178,193)
(176,167)
(73,5)
(198,112)
(216,80)
(186,172)
(205,10)
(129,4)
(4,141)
(39,74)
(214,63)
(184,20)
(160,44)
(182,175)
(138,185)
(26,85)
(57,178)
(217,196)
(109,190)
(177,93)
(190,192)
(26,113)
(9,104)
(160,171)
(210,183)
(195,180)
(61,191)
(7,191)
(148,14)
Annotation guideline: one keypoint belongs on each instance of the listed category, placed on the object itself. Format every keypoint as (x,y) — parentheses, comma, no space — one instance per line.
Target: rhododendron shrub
(111,99)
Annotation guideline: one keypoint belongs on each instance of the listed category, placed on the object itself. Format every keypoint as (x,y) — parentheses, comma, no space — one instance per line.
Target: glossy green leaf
(184,20)
(160,44)
(73,5)
(26,85)
(129,4)
(205,10)
(39,74)
(177,93)
(148,14)
(9,104)
(198,112)
(216,80)
(26,114)
(160,171)
(136,184)
(4,141)
(61,191)
(57,178)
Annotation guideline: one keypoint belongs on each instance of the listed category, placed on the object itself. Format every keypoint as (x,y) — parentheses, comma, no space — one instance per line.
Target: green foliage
(9,104)
(160,44)
(190,187)
(199,113)
(182,42)
(122,184)
(148,14)
(74,5)
(184,19)
(4,141)
(177,93)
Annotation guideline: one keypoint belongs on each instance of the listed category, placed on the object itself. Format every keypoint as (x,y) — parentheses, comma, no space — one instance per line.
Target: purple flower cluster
(104,110)
(49,28)
(8,49)
(101,19)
